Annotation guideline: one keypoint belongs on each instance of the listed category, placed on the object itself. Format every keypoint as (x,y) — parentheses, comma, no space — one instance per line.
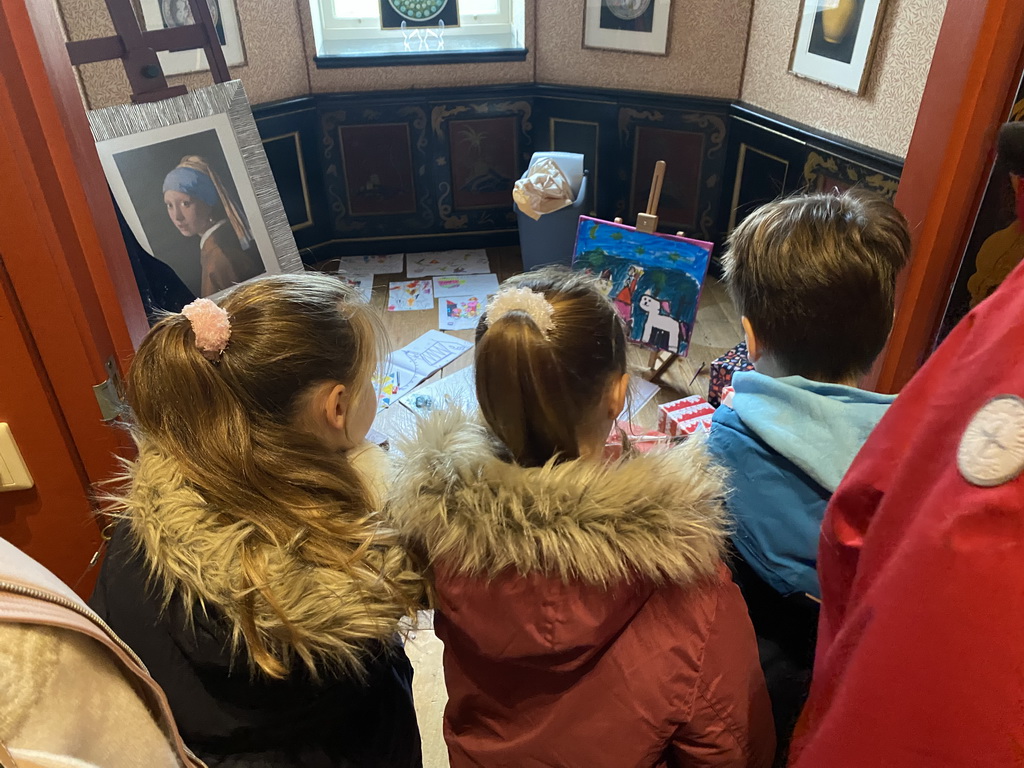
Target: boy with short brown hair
(814,277)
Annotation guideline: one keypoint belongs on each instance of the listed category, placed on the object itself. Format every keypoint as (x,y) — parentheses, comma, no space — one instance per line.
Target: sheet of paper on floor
(361,281)
(640,393)
(393,382)
(460,313)
(463,262)
(429,353)
(410,295)
(463,285)
(455,391)
(391,264)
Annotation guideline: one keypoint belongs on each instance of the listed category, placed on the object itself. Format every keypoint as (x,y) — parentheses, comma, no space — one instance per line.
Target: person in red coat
(920,656)
(587,617)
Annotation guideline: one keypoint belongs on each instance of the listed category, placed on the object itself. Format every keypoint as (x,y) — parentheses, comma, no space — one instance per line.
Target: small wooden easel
(648,222)
(137,49)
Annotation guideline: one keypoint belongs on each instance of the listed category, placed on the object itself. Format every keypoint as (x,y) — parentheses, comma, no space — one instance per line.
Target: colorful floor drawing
(391,264)
(393,382)
(361,281)
(463,285)
(653,280)
(411,294)
(446,263)
(460,313)
(455,391)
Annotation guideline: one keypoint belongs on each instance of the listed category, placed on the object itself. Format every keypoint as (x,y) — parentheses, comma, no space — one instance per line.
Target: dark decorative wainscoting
(770,156)
(433,169)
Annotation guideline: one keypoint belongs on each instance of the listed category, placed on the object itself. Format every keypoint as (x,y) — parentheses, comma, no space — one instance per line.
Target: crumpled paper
(545,189)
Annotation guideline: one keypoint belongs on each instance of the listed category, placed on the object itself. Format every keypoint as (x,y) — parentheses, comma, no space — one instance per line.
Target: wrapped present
(723,368)
(638,438)
(685,417)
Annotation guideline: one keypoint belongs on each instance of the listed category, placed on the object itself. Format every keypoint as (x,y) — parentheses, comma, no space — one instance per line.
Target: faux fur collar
(658,515)
(324,617)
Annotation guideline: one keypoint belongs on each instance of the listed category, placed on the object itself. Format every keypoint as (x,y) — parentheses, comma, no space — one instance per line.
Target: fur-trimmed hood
(325,617)
(656,515)
(542,566)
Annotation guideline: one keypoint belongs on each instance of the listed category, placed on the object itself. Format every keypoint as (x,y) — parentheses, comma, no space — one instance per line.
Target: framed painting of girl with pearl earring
(193,184)
(835,42)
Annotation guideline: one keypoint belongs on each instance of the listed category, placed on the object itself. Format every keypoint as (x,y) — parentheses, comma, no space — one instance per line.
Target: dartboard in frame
(418,13)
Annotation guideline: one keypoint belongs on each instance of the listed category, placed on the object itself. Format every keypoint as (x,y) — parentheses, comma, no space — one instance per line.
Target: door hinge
(110,393)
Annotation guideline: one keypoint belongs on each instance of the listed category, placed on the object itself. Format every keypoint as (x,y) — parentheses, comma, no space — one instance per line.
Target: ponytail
(538,388)
(230,425)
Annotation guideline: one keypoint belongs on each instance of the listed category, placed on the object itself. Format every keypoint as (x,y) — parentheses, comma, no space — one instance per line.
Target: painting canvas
(654,280)
(484,159)
(164,14)
(640,26)
(378,171)
(835,41)
(193,184)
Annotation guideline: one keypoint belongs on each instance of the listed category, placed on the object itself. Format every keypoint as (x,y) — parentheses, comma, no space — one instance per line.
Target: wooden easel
(137,49)
(648,222)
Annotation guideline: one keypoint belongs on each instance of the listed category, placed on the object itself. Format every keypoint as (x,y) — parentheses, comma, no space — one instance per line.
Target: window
(351,29)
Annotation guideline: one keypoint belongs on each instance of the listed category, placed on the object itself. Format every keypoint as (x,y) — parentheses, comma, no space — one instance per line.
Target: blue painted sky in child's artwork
(659,251)
(654,281)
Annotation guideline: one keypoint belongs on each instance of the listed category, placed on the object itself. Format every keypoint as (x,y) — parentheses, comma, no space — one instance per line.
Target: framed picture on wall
(164,14)
(835,42)
(637,26)
(194,186)
(418,13)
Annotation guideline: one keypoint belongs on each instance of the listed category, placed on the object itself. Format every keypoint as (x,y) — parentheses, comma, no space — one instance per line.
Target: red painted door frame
(65,265)
(974,75)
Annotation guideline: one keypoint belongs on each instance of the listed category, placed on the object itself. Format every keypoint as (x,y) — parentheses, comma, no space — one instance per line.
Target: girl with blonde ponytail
(251,568)
(587,617)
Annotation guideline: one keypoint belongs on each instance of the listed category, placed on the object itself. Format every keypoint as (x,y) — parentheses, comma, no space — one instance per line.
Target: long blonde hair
(537,390)
(230,425)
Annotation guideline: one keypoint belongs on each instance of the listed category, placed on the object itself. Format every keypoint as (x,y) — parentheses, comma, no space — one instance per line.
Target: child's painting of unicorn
(654,280)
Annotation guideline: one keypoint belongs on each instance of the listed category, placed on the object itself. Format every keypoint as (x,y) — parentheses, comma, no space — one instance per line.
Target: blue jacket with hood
(787,443)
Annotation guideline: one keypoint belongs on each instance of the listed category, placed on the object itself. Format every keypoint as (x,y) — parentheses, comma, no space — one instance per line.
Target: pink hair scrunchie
(211,326)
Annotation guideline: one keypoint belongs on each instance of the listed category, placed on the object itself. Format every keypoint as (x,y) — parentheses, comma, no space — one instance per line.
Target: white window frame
(334,28)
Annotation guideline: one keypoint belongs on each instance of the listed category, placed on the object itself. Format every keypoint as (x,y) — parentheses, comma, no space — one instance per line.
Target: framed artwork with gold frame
(835,42)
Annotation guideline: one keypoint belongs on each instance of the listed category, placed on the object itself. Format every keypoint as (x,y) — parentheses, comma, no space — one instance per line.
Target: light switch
(14,475)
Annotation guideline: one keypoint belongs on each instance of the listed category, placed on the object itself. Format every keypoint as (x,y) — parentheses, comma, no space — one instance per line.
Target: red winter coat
(586,616)
(920,660)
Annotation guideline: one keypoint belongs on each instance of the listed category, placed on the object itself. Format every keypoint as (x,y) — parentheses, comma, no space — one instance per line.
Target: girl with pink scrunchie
(250,567)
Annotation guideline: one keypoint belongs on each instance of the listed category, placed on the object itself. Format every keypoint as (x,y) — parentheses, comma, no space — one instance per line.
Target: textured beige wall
(278,40)
(275,60)
(884,117)
(707,42)
(438,76)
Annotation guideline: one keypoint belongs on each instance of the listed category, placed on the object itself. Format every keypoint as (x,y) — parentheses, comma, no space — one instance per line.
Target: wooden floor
(716,330)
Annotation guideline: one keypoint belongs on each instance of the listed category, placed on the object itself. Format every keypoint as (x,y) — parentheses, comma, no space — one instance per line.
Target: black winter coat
(227,716)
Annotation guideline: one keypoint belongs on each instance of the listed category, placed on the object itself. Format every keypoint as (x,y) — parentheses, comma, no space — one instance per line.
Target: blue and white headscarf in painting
(194,177)
(194,183)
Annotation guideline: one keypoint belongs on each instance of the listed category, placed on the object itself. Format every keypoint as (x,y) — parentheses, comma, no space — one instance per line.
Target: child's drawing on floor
(460,313)
(654,280)
(410,295)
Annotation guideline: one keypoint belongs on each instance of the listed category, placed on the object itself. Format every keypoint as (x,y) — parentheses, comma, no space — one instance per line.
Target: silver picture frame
(193,183)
